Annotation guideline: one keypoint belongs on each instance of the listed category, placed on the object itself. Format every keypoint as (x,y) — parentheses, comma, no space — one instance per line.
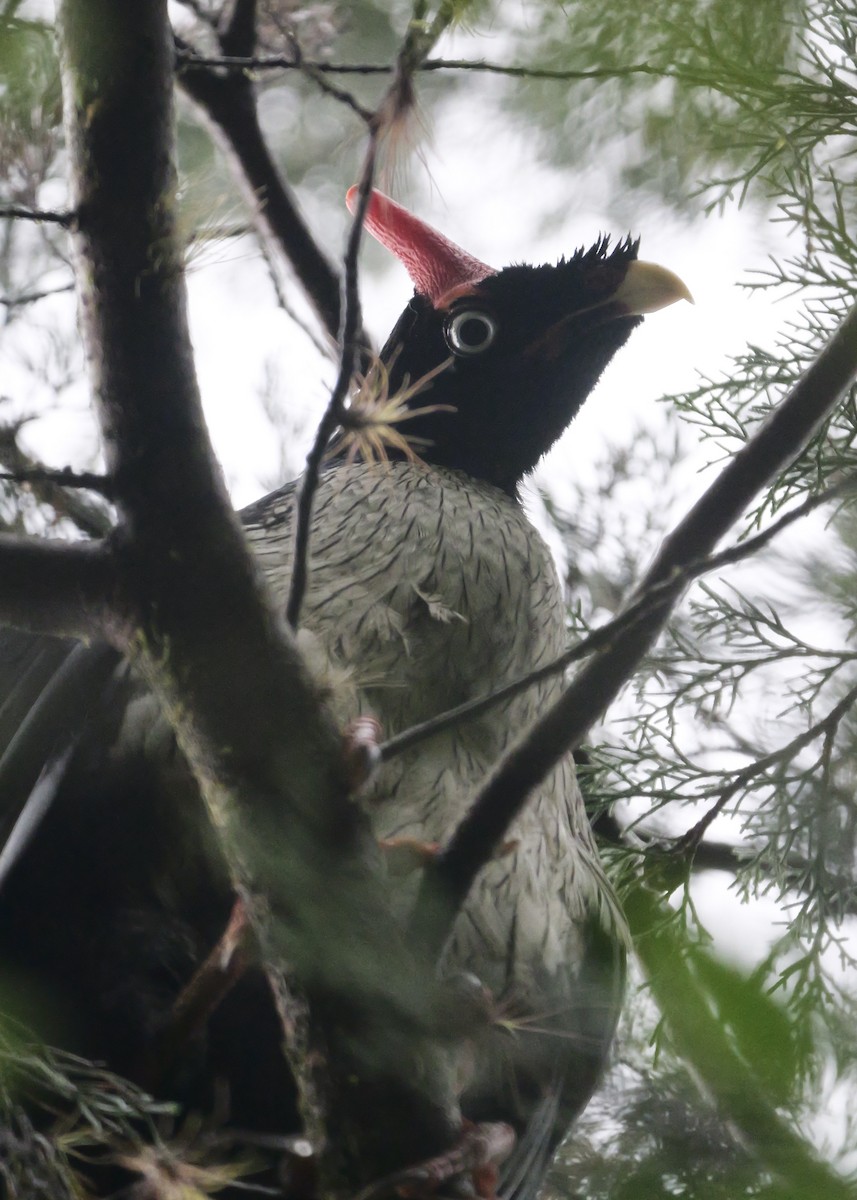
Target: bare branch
(318,77)
(192,61)
(566,723)
(228,675)
(394,103)
(26,298)
(56,586)
(62,477)
(336,406)
(19,212)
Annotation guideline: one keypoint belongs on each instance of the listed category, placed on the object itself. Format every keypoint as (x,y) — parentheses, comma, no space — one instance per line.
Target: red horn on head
(438,267)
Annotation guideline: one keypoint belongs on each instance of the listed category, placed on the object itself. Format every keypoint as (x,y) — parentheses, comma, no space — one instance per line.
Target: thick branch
(56,587)
(220,659)
(566,724)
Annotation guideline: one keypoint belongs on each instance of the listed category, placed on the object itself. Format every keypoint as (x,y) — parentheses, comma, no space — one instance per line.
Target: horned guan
(427,586)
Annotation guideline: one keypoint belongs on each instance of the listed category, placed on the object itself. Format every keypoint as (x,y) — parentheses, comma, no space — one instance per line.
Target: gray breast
(428,588)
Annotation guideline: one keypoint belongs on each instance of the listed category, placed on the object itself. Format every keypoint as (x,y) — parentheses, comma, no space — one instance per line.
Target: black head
(519,349)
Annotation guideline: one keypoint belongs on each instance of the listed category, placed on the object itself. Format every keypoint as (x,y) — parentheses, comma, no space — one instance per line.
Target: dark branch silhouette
(395,102)
(189,59)
(27,298)
(336,406)
(56,586)
(65,477)
(248,719)
(19,212)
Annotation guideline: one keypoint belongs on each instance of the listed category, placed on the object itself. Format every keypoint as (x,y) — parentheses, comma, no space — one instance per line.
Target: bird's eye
(470,331)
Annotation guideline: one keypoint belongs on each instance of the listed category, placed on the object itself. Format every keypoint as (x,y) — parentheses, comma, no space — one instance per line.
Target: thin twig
(62,477)
(89,517)
(415,46)
(189,59)
(318,77)
(687,844)
(230,104)
(22,213)
(325,349)
(747,87)
(565,724)
(603,636)
(351,324)
(33,297)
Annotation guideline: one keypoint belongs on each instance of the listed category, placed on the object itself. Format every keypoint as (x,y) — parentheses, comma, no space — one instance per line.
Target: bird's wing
(48,686)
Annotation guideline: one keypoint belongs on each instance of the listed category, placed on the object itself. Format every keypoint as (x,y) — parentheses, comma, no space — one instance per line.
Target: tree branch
(228,100)
(396,100)
(194,62)
(62,477)
(336,405)
(566,723)
(26,298)
(19,212)
(220,660)
(690,841)
(57,587)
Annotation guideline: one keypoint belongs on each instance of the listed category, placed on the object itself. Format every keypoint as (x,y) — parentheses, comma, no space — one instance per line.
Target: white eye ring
(470,331)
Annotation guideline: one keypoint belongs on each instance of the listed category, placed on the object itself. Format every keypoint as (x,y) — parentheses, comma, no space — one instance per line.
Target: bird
(427,586)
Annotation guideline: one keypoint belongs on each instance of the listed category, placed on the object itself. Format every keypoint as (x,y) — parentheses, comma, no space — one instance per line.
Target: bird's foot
(361,739)
(471,1165)
(199,998)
